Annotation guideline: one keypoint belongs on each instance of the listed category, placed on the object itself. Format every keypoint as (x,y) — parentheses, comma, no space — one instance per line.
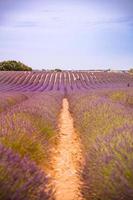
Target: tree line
(13,65)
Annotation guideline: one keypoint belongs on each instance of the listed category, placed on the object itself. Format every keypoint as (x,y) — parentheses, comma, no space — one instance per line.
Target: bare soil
(67,160)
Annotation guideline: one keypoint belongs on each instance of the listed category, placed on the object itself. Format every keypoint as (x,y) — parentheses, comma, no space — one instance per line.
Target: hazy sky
(69,34)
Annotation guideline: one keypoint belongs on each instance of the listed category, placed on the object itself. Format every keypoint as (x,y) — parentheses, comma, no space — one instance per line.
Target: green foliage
(118,96)
(58,70)
(122,97)
(25,145)
(100,121)
(13,66)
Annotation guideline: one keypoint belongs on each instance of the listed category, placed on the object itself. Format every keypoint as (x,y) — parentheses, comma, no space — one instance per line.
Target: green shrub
(13,66)
(58,70)
(122,97)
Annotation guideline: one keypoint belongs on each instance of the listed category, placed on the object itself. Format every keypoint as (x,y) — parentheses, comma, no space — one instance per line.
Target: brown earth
(67,160)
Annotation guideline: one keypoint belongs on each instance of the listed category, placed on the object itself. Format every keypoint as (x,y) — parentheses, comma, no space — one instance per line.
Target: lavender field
(66,135)
(31,81)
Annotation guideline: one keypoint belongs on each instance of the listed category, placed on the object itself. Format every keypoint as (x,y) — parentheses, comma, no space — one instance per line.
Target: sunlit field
(66,135)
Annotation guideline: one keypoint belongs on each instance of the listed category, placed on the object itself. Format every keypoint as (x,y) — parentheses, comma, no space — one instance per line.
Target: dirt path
(66,180)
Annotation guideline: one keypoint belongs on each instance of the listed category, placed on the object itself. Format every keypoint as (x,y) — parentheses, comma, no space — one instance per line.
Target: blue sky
(69,34)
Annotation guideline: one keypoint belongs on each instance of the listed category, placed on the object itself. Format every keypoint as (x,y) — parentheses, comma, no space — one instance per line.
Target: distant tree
(58,70)
(13,65)
(107,70)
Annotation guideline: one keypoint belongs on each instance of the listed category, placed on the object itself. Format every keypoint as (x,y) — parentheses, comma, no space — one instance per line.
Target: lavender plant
(20,178)
(106,131)
(28,131)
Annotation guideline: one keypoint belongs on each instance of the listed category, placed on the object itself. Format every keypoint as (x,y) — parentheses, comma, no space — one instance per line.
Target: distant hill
(12,65)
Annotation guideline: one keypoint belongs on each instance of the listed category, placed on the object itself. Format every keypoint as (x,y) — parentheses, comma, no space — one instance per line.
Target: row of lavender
(104,120)
(28,131)
(66,80)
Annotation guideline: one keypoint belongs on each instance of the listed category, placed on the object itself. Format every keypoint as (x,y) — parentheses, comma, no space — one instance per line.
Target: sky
(67,34)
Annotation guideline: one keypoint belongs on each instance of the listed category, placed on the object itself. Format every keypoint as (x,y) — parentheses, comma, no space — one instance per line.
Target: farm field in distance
(66,135)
